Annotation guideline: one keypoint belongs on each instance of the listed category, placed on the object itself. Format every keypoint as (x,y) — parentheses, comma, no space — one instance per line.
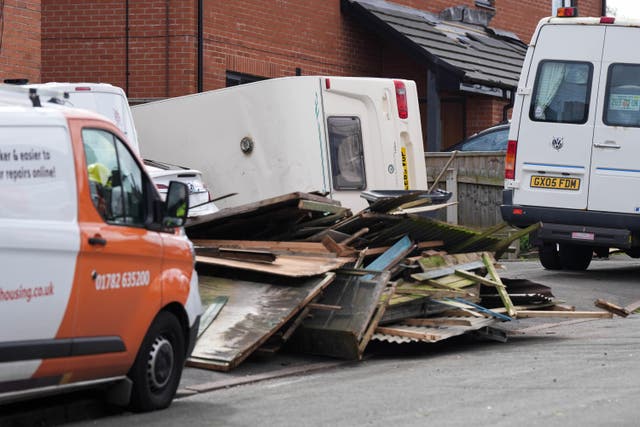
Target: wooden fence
(476,180)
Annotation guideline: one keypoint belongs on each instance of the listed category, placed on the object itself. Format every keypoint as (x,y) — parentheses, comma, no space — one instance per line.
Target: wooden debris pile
(301,271)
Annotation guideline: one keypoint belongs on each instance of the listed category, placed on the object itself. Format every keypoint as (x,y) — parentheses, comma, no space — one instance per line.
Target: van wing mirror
(176,205)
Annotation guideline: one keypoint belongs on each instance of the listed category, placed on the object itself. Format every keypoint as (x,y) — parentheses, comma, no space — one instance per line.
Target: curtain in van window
(551,75)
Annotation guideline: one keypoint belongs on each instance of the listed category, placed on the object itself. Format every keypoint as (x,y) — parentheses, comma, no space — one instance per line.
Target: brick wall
(87,40)
(20,40)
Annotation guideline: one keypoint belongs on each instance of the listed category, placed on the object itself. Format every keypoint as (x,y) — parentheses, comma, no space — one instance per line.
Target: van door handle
(97,240)
(607,144)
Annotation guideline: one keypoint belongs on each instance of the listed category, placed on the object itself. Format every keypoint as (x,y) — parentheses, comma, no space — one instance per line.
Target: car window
(561,92)
(490,141)
(115,179)
(622,104)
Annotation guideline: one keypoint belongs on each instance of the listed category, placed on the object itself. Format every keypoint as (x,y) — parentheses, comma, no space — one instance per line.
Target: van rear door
(615,171)
(373,144)
(557,117)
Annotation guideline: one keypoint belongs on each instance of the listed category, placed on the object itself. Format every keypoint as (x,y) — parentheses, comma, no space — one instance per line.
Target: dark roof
(457,51)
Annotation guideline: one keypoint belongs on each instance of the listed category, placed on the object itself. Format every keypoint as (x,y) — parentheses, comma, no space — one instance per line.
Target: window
(235,79)
(561,92)
(622,99)
(347,158)
(115,179)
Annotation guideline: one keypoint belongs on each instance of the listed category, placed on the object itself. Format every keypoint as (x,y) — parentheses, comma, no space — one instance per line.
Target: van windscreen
(561,92)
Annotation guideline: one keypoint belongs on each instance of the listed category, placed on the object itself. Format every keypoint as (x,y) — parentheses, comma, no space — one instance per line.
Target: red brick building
(165,48)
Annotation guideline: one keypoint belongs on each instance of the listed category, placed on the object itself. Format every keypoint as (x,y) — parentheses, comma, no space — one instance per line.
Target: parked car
(199,196)
(491,139)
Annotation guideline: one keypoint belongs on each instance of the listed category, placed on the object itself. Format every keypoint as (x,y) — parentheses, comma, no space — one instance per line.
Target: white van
(112,102)
(98,283)
(338,136)
(572,157)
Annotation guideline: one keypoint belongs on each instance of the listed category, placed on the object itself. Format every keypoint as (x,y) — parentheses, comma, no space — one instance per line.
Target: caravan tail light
(607,20)
(401,99)
(510,160)
(82,88)
(567,12)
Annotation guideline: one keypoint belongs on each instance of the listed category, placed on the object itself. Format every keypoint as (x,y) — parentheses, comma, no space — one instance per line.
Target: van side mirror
(176,205)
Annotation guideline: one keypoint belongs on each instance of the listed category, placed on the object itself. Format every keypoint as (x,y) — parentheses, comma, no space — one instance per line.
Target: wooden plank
(375,320)
(253,314)
(430,208)
(393,255)
(445,271)
(284,265)
(502,292)
(633,306)
(526,314)
(276,247)
(249,255)
(433,293)
(422,336)
(612,308)
(476,278)
(437,321)
(317,306)
(313,205)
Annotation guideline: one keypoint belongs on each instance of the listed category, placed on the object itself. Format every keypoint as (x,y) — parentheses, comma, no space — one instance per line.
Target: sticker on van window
(623,102)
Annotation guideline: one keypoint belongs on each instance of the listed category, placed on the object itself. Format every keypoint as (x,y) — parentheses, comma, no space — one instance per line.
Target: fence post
(452,186)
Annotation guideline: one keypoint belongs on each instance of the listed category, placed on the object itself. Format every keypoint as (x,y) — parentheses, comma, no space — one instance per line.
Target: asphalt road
(553,372)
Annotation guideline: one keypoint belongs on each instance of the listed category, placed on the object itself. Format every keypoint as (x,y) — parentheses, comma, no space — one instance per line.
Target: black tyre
(549,256)
(575,257)
(158,366)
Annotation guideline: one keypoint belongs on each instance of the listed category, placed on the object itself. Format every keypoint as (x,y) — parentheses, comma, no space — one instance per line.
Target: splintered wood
(299,270)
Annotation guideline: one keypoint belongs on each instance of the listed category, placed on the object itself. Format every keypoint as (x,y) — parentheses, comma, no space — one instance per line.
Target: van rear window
(622,103)
(561,92)
(347,158)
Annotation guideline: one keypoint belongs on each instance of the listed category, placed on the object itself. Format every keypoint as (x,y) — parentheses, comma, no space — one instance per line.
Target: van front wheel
(158,366)
(575,257)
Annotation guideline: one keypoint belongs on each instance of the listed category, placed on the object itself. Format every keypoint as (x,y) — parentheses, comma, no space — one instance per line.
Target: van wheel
(575,257)
(158,366)
(549,257)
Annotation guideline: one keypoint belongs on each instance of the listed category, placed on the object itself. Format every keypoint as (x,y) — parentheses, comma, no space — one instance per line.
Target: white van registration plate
(555,182)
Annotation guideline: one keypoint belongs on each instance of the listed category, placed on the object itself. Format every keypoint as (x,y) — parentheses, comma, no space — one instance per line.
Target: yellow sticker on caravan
(405,169)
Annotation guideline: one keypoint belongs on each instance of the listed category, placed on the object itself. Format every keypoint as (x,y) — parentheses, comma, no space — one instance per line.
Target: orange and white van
(98,283)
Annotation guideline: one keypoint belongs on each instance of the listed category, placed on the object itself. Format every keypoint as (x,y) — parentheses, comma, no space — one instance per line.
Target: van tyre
(575,257)
(158,366)
(549,256)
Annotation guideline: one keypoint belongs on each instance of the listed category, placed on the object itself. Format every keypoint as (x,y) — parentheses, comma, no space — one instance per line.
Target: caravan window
(561,92)
(347,155)
(622,101)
